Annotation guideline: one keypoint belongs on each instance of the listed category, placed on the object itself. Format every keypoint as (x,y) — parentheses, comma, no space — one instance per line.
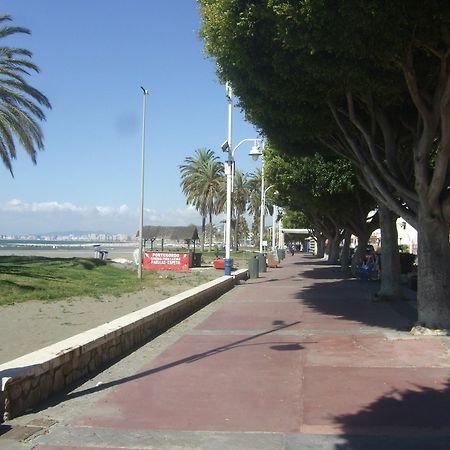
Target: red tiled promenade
(296,359)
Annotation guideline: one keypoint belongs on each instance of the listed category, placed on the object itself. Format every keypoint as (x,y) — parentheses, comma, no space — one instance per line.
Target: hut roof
(188,233)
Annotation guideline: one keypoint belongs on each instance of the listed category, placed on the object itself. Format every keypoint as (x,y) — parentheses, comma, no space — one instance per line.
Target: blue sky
(94,55)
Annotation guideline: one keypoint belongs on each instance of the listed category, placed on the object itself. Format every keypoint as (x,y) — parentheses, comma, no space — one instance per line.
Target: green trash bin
(253,267)
(262,262)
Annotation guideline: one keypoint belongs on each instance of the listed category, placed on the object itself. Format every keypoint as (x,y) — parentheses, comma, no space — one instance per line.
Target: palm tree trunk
(236,232)
(203,237)
(210,232)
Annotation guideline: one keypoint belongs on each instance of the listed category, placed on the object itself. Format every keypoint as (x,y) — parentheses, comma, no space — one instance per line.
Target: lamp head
(255,152)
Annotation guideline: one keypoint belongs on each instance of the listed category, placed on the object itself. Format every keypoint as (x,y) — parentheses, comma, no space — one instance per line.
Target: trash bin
(262,262)
(228,266)
(253,267)
(280,254)
(196,260)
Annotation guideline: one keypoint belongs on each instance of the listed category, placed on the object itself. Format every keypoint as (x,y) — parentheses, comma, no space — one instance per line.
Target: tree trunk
(320,246)
(345,253)
(333,248)
(210,232)
(203,236)
(390,287)
(433,284)
(236,232)
(360,251)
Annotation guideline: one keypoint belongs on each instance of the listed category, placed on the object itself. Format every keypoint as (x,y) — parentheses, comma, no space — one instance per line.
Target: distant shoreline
(65,249)
(64,244)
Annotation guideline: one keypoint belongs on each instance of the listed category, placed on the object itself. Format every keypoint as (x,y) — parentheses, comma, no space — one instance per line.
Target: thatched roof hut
(187,234)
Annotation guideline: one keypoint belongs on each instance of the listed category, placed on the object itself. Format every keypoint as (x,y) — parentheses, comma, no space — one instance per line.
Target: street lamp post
(262,211)
(255,156)
(141,221)
(227,146)
(229,173)
(273,226)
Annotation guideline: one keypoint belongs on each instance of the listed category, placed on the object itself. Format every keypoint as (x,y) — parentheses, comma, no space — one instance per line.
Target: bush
(407,261)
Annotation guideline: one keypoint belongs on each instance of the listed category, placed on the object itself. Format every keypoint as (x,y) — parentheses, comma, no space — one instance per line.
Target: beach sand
(114,252)
(29,326)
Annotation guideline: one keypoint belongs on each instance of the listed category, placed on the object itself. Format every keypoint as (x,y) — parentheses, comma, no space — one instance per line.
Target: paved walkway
(296,359)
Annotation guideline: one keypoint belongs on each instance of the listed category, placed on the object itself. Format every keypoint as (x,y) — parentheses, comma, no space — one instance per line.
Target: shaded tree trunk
(333,247)
(390,287)
(363,239)
(320,246)
(345,253)
(433,284)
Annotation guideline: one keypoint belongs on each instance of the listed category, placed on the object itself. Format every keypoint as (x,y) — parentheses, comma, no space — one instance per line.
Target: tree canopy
(367,79)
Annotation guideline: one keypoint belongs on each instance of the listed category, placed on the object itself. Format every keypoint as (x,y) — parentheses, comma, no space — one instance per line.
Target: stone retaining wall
(32,378)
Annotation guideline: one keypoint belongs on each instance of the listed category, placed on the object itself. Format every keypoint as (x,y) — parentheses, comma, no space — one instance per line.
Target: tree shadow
(4,429)
(323,272)
(410,419)
(352,300)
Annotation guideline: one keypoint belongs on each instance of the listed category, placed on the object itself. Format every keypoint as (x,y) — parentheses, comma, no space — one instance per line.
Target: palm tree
(19,102)
(202,182)
(240,198)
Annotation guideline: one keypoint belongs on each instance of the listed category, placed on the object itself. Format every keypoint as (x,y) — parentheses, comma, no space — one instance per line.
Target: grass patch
(24,278)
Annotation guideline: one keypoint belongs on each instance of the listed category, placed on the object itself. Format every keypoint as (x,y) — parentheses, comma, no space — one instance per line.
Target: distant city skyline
(94,56)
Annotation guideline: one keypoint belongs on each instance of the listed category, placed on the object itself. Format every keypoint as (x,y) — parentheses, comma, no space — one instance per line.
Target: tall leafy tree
(326,190)
(202,182)
(20,103)
(368,79)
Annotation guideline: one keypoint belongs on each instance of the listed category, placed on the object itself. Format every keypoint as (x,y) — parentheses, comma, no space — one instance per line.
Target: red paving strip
(245,316)
(375,350)
(374,398)
(230,383)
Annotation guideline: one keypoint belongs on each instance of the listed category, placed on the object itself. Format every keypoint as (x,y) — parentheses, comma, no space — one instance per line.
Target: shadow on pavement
(423,412)
(351,300)
(276,345)
(323,272)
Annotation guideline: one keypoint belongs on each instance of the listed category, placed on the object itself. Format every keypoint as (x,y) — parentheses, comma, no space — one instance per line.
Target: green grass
(25,278)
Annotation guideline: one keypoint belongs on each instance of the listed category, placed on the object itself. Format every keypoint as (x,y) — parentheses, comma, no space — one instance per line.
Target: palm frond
(20,103)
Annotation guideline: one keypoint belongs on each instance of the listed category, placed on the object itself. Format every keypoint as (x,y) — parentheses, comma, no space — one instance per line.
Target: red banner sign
(166,261)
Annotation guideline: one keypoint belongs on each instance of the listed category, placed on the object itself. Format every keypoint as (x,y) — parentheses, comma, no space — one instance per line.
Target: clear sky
(94,55)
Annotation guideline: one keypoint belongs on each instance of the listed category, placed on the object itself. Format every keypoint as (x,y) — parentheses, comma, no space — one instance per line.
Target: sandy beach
(29,326)
(114,251)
